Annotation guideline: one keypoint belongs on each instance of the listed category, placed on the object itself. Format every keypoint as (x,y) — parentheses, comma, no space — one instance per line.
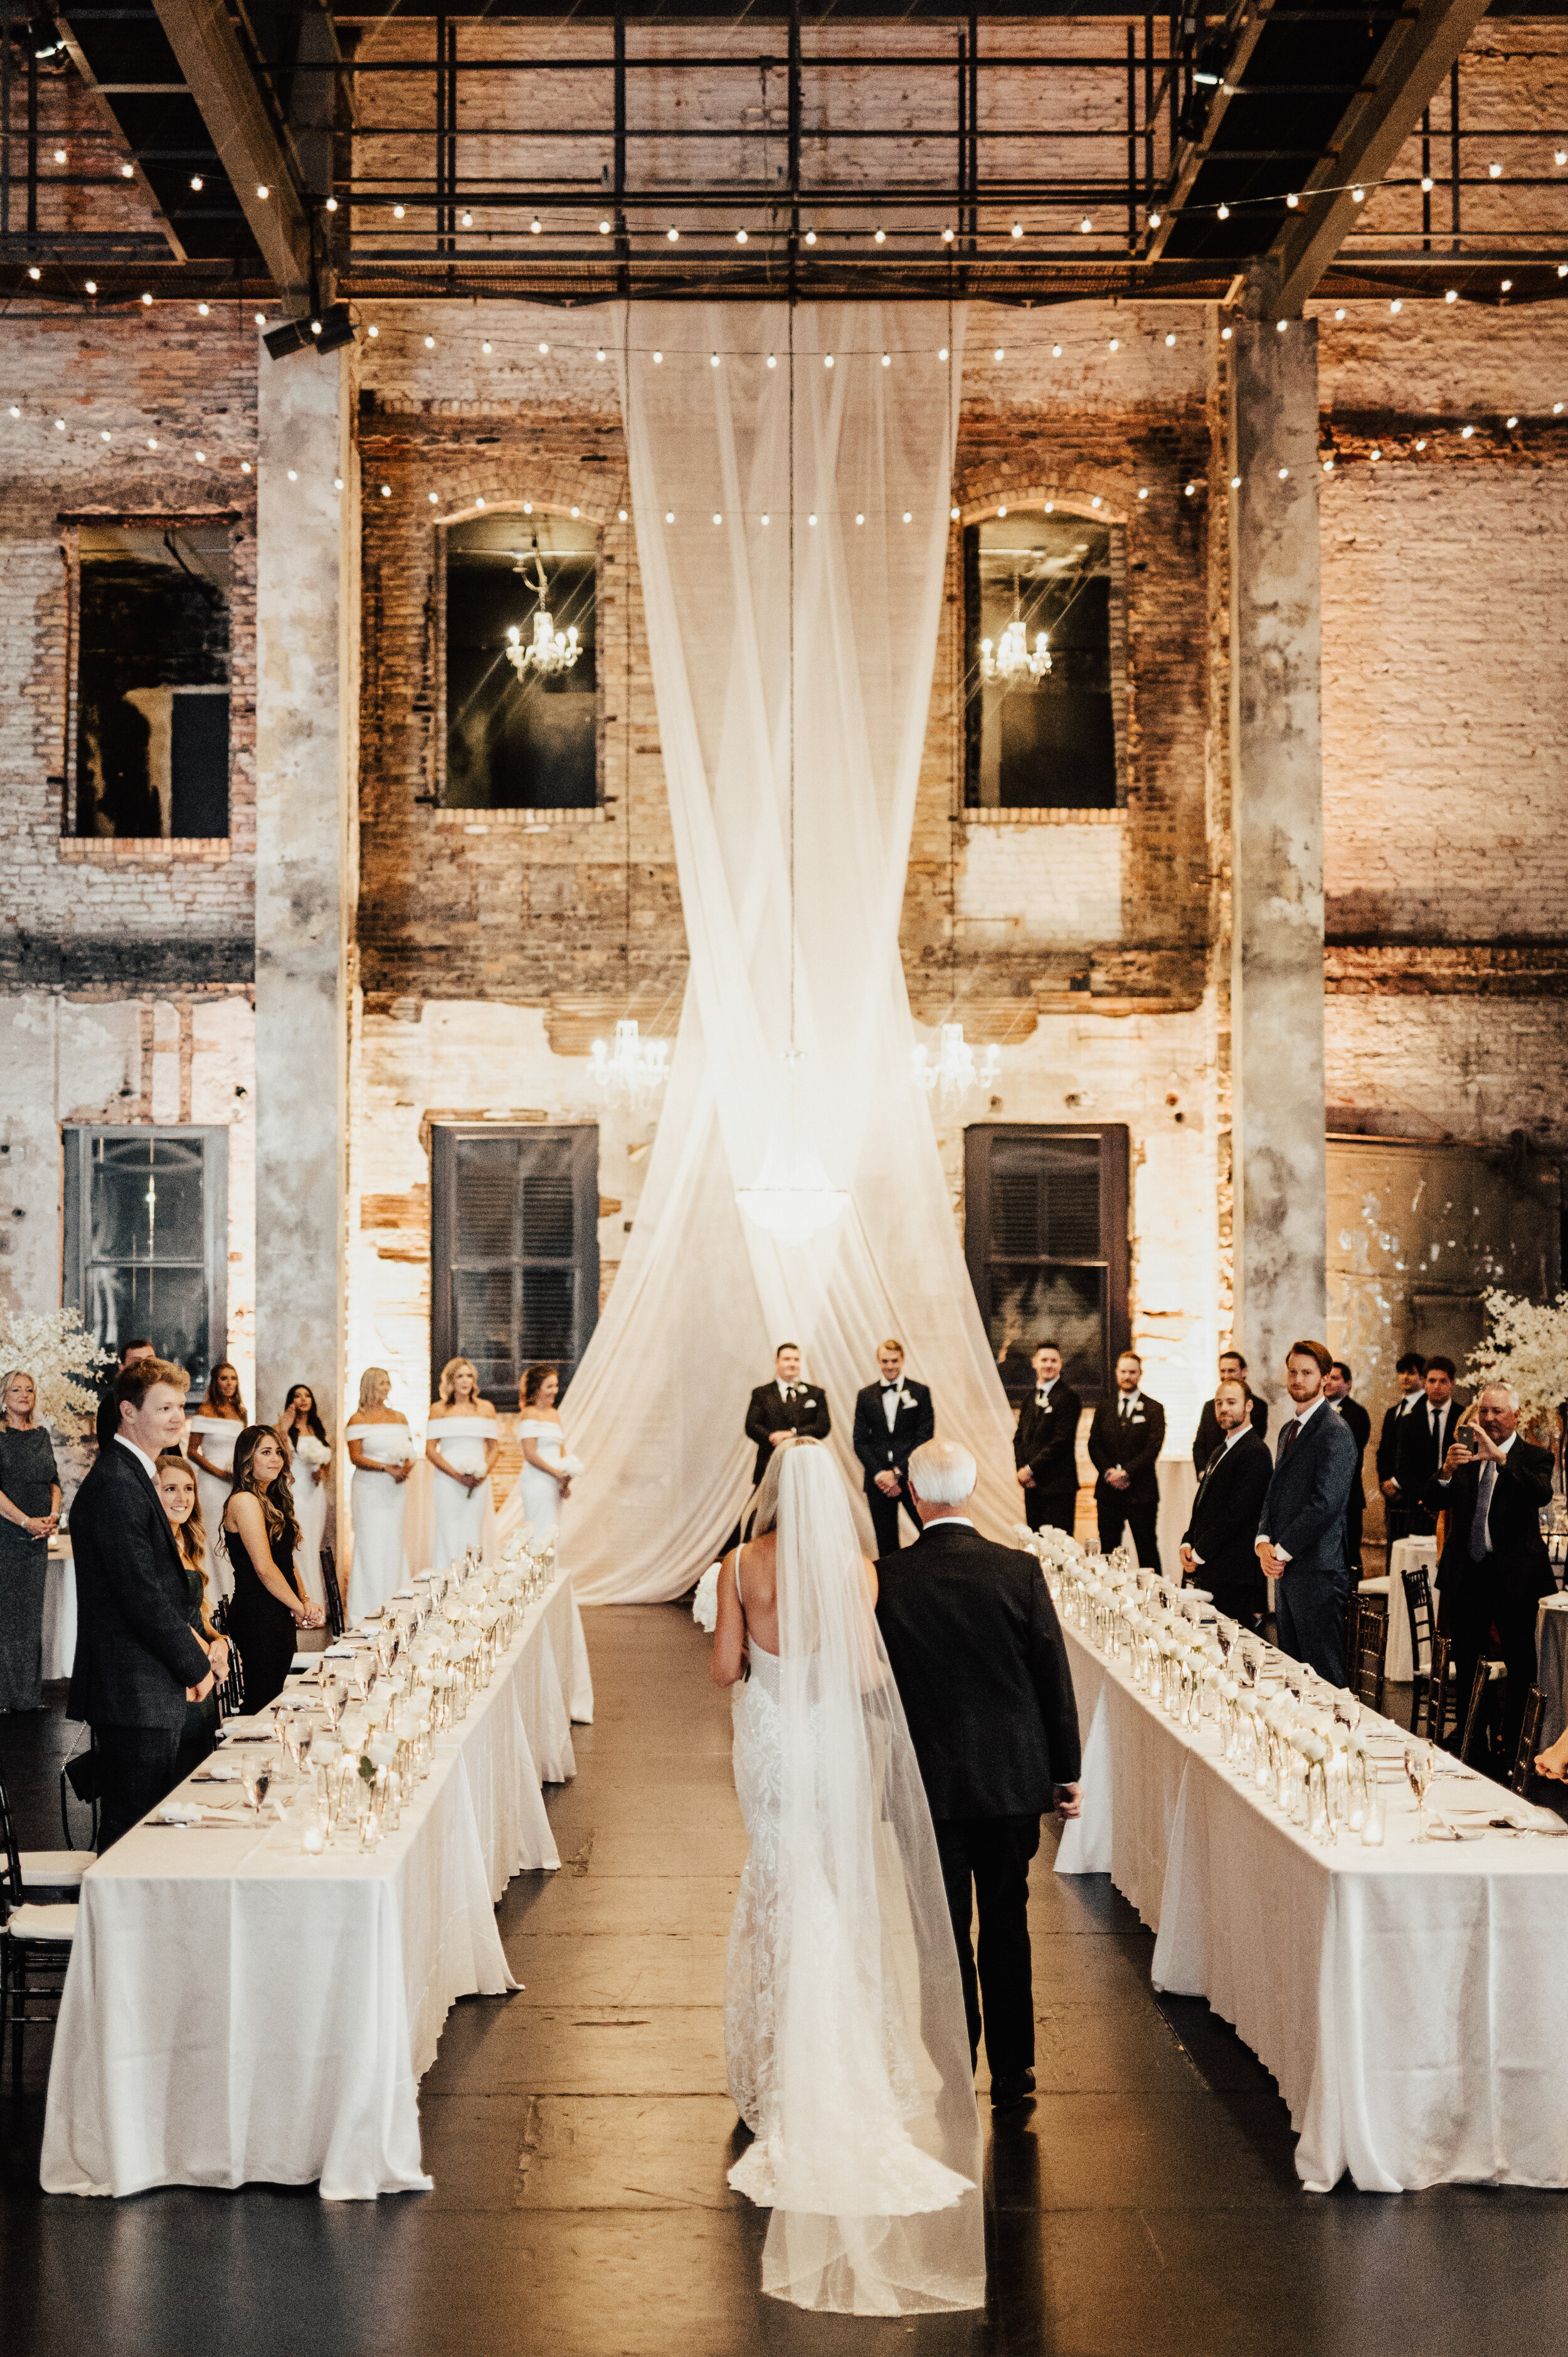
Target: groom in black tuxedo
(785,1405)
(892,1417)
(1044,1446)
(983,1672)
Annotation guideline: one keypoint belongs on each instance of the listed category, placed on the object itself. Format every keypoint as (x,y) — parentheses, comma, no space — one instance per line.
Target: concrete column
(306,837)
(1276,827)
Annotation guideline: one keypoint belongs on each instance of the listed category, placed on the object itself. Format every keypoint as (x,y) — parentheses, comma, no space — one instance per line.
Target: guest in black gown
(259,1526)
(176,1487)
(29,1515)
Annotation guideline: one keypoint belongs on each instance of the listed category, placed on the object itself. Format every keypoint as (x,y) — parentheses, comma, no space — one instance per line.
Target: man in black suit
(1337,1385)
(109,1406)
(1425,1435)
(1410,1372)
(983,1672)
(1218,1547)
(1301,1530)
(136,1660)
(892,1417)
(1125,1443)
(1208,1436)
(1045,1446)
(785,1405)
(1495,1568)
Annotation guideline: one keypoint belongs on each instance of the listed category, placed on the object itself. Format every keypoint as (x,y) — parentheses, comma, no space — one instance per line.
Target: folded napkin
(339,1652)
(189,1812)
(217,1772)
(403,1596)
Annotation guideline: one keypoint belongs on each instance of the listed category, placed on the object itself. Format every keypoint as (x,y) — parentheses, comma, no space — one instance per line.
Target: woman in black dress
(261,1532)
(176,1487)
(29,1514)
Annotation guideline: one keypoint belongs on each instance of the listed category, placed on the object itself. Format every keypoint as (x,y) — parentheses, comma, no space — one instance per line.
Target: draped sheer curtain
(793,1055)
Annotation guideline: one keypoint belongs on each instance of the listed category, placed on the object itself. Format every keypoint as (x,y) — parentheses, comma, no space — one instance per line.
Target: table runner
(235,2011)
(1405,1998)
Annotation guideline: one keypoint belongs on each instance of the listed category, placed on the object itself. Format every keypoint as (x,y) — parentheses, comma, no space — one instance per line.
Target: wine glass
(333,1697)
(256,1775)
(1418,1768)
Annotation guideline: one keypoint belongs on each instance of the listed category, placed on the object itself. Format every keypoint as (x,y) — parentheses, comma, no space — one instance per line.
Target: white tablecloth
(1405,1998)
(235,2011)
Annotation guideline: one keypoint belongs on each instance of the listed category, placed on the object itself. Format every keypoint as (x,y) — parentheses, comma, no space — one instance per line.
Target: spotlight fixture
(327,331)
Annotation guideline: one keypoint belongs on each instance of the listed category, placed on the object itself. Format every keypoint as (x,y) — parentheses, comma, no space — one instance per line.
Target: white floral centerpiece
(1526,1347)
(55,1349)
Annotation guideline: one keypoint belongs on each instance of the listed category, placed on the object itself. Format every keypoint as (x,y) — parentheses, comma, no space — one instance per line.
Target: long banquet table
(237,2011)
(1405,1998)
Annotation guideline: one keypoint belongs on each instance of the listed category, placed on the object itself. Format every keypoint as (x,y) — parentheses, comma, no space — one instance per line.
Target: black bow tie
(891,1387)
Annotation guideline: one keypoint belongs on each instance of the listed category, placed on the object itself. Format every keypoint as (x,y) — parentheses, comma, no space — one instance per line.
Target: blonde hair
(763,1504)
(446,1389)
(18,1374)
(892,1343)
(369,1382)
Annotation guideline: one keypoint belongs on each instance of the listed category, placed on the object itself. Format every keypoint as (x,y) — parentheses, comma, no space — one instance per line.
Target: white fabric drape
(704,1295)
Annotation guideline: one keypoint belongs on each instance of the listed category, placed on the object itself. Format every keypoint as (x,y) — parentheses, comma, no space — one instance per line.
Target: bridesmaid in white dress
(380,1449)
(209,1437)
(546,1476)
(461,1438)
(301,1426)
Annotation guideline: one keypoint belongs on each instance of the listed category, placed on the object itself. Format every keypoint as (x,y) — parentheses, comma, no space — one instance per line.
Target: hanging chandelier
(633,1071)
(1010,660)
(549,650)
(792,1201)
(957,1069)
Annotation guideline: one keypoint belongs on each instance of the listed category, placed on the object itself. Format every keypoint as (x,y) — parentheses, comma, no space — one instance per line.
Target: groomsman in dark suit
(1425,1435)
(1411,1374)
(1337,1385)
(1044,1446)
(892,1417)
(1301,1532)
(1125,1443)
(1495,1568)
(1218,1547)
(1208,1437)
(785,1405)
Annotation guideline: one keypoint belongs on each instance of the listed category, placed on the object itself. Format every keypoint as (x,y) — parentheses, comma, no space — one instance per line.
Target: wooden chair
(334,1594)
(1429,1716)
(1423,1631)
(34,1941)
(1488,1674)
(1368,1651)
(1528,1738)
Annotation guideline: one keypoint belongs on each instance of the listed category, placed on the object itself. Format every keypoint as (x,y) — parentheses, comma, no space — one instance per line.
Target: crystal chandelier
(957,1069)
(1011,662)
(632,1071)
(548,652)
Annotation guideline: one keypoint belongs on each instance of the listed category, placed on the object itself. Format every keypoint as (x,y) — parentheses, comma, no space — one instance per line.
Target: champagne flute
(1418,1768)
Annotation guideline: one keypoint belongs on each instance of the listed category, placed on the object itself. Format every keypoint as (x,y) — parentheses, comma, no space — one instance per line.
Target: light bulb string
(792,686)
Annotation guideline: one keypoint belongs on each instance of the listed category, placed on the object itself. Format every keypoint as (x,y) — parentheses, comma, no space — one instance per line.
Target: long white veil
(868,2150)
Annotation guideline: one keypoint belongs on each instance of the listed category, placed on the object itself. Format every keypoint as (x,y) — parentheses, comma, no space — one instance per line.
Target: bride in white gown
(844,2032)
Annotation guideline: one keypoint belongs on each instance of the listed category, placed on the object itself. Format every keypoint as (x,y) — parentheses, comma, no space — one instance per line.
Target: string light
(772,360)
(127,171)
(621,513)
(1396,308)
(668,515)
(767,519)
(881,236)
(1466,432)
(60,154)
(1224,212)
(1292,202)
(147,300)
(719,519)
(658,358)
(999,353)
(886,359)
(201,457)
(907,517)
(1084,226)
(544,348)
(386,490)
(673,235)
(1339,314)
(262,190)
(430,343)
(740,237)
(810,519)
(332,207)
(486,347)
(245,467)
(1358,196)
(943,353)
(1055,353)
(34,272)
(953,515)
(827,360)
(478,502)
(1426,183)
(811,237)
(1153,220)
(292,474)
(397,212)
(1283,325)
(1018,228)
(1513,422)
(1284,474)
(202,308)
(1169,342)
(196,182)
(433,499)
(1235,482)
(93,285)
(1494,171)
(535,227)
(1142,494)
(1506,285)
(947,237)
(860,519)
(372,332)
(1115,343)
(1451,295)
(604,228)
(600,354)
(1328,466)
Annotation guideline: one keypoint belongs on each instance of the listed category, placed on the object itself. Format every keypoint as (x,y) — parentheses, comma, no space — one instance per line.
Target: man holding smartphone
(1495,1568)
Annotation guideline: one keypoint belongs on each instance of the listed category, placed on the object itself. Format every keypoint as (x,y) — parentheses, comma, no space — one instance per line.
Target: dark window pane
(521,741)
(1015,1212)
(168,1304)
(153,620)
(147,1200)
(1048,742)
(487,1194)
(1065,1302)
(483,1300)
(548,1229)
(548,1299)
(199,763)
(1045,1198)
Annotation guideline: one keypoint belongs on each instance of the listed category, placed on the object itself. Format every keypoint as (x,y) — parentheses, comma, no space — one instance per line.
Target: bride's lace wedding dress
(844,2038)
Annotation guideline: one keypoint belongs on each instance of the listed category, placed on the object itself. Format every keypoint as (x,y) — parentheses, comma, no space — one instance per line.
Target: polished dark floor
(579,2133)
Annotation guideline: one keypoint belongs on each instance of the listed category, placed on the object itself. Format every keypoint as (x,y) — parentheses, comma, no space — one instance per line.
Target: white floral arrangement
(571,1466)
(705,1603)
(55,1349)
(311,1451)
(1526,1347)
(1050,1544)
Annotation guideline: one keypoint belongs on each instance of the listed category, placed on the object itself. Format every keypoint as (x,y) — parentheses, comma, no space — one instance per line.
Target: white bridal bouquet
(705,1603)
(311,1451)
(571,1466)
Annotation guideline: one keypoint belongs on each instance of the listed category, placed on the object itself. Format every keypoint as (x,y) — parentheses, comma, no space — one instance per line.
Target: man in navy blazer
(136,1657)
(1301,1534)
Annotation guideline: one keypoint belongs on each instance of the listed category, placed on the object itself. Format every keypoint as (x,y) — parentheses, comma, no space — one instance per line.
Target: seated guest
(1424,1437)
(1410,1372)
(1125,1443)
(1218,1548)
(1044,1446)
(1495,1568)
(261,1534)
(892,1417)
(108,1421)
(137,1659)
(30,1516)
(1232,1370)
(1337,1392)
(176,1487)
(1301,1532)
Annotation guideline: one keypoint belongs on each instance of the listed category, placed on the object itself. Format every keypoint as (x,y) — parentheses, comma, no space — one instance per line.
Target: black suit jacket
(1517,1571)
(1353,1416)
(135,1654)
(1417,1458)
(1308,1492)
(1134,1445)
(1389,1438)
(807,1411)
(879,1450)
(108,1418)
(1208,1436)
(1047,1440)
(982,1672)
(1225,1516)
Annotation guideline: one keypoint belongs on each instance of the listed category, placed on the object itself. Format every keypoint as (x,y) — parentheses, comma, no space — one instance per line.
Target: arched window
(1036,737)
(521,734)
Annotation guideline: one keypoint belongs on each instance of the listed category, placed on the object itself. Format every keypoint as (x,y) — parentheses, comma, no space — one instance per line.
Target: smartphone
(1465,1439)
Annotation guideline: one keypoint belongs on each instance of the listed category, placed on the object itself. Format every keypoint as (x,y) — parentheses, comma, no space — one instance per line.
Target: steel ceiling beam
(218,74)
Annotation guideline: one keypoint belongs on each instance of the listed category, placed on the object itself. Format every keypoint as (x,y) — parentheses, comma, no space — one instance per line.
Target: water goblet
(1418,1770)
